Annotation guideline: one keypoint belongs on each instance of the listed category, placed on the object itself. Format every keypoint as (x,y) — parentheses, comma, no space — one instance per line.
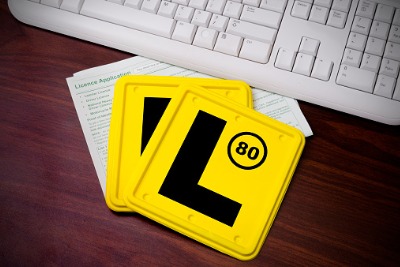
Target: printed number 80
(251,154)
(247,150)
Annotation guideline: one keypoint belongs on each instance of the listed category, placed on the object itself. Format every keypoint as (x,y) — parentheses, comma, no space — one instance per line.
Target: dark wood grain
(341,209)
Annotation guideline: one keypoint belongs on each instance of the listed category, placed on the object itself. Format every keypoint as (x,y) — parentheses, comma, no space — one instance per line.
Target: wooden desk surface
(342,207)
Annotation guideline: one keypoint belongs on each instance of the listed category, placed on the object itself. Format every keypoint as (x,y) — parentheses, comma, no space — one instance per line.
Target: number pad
(374,37)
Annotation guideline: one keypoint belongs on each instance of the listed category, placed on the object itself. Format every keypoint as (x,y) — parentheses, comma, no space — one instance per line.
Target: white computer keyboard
(340,54)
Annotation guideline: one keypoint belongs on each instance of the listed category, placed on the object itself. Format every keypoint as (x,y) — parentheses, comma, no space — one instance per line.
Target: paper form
(92,91)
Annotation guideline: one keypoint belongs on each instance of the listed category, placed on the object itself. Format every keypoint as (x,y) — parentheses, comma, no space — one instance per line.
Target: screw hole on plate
(282,138)
(191,217)
(238,239)
(146,197)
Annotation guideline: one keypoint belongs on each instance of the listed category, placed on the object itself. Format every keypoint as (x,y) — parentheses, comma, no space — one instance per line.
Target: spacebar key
(356,78)
(129,17)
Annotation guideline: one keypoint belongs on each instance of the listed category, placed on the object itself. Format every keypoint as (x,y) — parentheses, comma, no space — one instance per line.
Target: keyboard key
(216,6)
(322,69)
(205,38)
(255,51)
(285,59)
(151,6)
(273,5)
(319,14)
(379,29)
(392,51)
(303,64)
(352,57)
(384,86)
(261,16)
(198,4)
(390,68)
(233,9)
(396,18)
(301,10)
(228,44)
(219,23)
(371,62)
(394,34)
(180,2)
(167,9)
(134,3)
(337,19)
(309,46)
(72,5)
(324,3)
(251,31)
(353,77)
(356,41)
(375,46)
(251,2)
(341,5)
(121,15)
(366,9)
(201,18)
(184,32)
(361,25)
(384,13)
(396,94)
(184,13)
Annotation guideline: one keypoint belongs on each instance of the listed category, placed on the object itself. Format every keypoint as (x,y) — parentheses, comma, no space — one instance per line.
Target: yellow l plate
(215,171)
(142,100)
